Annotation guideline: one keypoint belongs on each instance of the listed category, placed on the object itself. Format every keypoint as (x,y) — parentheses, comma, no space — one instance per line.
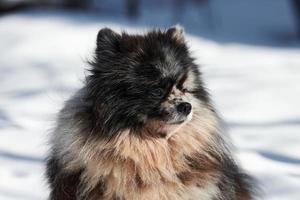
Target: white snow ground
(255,88)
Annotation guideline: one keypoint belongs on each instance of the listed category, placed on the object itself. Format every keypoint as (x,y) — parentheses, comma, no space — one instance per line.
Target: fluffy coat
(118,138)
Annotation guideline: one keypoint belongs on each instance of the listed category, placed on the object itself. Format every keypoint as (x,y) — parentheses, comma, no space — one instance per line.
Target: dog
(142,128)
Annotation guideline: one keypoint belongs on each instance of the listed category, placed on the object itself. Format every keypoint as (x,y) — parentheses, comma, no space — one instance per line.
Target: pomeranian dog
(142,128)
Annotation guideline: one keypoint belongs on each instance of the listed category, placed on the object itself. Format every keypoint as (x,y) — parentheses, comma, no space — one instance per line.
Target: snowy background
(248,51)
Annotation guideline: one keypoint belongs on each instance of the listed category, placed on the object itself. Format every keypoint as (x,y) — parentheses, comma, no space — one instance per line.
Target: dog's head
(140,82)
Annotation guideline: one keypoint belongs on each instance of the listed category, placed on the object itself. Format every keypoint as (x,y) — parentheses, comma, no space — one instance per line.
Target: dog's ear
(176,32)
(107,39)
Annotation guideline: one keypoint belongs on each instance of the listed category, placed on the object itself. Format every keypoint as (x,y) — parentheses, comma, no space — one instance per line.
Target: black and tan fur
(116,140)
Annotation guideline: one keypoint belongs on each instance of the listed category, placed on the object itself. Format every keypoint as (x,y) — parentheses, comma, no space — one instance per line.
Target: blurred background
(248,51)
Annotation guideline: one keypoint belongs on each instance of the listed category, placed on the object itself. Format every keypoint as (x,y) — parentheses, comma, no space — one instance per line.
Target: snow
(253,75)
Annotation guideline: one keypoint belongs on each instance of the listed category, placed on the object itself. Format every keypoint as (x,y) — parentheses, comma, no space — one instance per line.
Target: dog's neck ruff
(165,166)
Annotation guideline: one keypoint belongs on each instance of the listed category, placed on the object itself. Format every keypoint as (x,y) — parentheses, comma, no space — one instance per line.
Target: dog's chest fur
(131,168)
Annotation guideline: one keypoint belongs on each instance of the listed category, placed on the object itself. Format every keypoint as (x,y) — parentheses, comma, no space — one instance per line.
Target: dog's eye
(157,92)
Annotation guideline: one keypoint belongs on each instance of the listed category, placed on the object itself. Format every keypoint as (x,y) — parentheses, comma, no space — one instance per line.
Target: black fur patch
(97,192)
(126,71)
(63,185)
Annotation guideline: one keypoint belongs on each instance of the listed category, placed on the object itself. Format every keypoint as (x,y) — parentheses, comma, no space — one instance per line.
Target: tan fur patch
(136,168)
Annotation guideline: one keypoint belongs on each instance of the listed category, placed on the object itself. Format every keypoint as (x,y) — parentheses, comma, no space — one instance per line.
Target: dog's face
(144,81)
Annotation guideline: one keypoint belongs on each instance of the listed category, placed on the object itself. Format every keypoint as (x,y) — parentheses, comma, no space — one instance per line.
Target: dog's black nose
(184,108)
